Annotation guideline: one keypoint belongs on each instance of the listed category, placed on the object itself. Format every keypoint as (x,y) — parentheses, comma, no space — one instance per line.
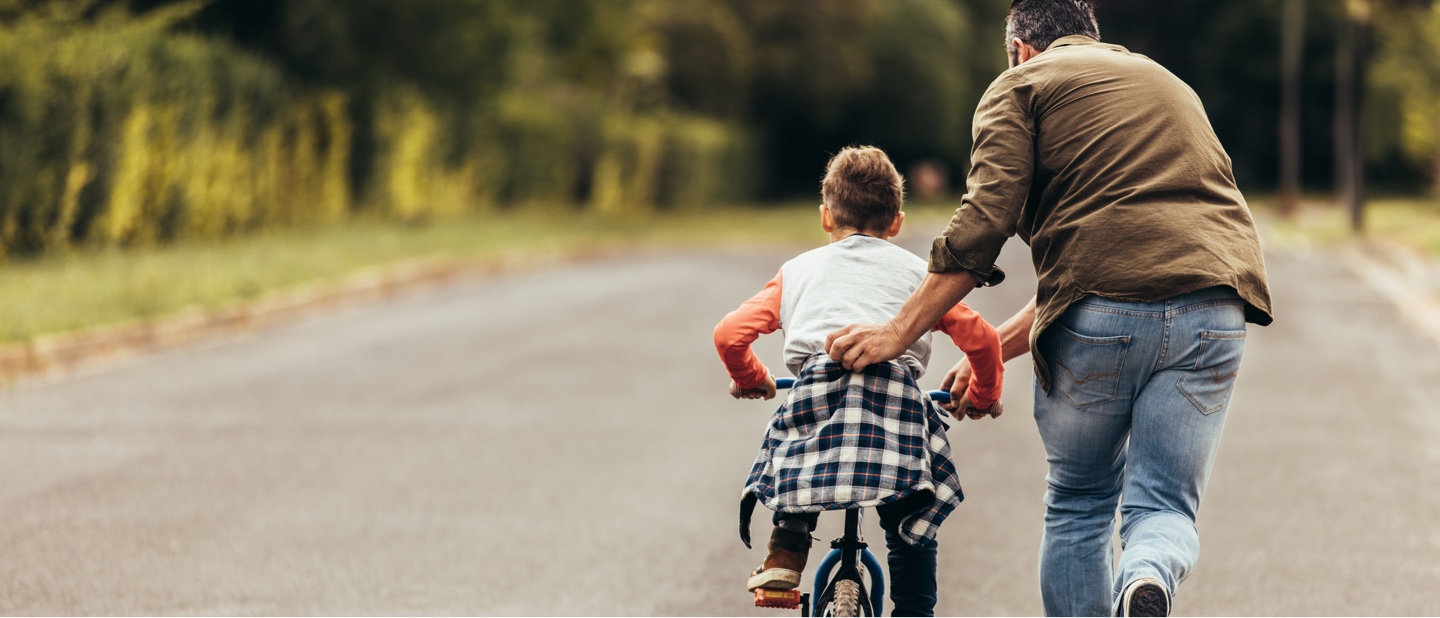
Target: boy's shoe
(1144,597)
(789,550)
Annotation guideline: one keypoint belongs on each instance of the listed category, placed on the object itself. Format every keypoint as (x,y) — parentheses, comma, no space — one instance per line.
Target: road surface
(561,443)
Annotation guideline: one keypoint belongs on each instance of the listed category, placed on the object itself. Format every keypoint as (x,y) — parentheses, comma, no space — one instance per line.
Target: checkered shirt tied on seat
(845,440)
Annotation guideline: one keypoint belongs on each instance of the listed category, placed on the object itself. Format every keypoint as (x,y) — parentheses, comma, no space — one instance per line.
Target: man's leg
(1099,352)
(1178,418)
(1086,456)
(912,569)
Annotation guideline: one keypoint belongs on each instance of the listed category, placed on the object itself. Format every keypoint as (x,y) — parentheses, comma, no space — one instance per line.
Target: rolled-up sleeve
(1002,165)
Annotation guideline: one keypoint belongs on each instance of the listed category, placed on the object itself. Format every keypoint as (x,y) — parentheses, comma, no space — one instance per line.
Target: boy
(853,439)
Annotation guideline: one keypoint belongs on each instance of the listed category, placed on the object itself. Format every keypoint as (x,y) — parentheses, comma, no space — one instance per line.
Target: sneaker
(789,550)
(1144,597)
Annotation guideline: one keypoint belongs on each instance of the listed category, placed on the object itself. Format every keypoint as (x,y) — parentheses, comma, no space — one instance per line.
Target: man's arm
(1003,160)
(860,345)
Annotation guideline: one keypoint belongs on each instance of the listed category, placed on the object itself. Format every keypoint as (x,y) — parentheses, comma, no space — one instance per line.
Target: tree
(1407,70)
(1349,109)
(1293,41)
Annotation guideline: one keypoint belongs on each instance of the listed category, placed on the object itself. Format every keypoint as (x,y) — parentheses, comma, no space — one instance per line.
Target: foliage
(134,122)
(1407,70)
(117,132)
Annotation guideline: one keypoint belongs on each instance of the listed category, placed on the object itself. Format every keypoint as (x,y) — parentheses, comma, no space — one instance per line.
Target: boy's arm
(981,344)
(733,335)
(1014,342)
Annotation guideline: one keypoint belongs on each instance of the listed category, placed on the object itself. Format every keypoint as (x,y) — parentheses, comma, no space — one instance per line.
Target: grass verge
(87,289)
(1411,222)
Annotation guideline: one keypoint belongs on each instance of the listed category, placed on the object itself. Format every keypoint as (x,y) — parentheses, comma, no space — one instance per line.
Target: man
(1148,265)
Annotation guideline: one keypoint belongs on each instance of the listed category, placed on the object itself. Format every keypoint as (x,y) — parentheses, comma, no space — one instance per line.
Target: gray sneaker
(1144,597)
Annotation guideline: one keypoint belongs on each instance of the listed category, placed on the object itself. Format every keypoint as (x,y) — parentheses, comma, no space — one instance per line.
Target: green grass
(85,289)
(1411,222)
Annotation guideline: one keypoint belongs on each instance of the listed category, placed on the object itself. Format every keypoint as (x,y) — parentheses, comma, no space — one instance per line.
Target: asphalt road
(561,443)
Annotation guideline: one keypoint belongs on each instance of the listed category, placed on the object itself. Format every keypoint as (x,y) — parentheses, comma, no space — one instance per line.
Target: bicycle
(845,593)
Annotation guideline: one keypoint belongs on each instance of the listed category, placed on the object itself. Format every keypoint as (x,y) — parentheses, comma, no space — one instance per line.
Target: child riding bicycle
(842,439)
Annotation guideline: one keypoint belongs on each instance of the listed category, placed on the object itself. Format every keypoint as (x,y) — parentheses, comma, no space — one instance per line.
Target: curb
(1410,281)
(59,354)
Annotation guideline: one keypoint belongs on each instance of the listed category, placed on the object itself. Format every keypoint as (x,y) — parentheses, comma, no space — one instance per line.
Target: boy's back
(859,279)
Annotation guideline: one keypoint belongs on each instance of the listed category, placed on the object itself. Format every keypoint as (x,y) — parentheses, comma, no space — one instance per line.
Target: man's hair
(862,189)
(1040,22)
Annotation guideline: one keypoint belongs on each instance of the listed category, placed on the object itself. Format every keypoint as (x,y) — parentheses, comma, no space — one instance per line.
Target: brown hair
(862,189)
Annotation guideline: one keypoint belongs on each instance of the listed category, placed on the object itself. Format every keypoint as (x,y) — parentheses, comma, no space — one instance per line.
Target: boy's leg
(912,569)
(789,551)
(794,521)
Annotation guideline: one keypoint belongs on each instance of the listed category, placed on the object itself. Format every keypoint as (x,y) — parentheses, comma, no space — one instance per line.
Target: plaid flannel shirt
(844,440)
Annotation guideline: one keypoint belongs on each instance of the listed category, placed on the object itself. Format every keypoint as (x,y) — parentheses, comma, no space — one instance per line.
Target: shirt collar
(1074,39)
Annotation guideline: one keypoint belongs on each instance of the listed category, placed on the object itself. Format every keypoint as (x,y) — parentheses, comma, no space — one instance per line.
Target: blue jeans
(1133,419)
(912,569)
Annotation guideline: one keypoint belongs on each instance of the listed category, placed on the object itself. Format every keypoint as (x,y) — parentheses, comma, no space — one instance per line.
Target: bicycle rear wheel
(846,601)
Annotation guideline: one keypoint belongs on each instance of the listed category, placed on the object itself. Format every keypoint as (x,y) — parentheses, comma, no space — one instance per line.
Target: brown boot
(789,549)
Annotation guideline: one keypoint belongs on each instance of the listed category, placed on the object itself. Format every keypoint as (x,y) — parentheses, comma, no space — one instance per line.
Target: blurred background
(522,440)
(132,122)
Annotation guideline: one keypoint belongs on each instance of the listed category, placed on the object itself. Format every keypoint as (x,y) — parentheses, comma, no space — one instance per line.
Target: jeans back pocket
(1209,383)
(1088,367)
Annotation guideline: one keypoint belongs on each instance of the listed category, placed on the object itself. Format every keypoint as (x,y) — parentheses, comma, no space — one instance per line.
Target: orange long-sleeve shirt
(761,315)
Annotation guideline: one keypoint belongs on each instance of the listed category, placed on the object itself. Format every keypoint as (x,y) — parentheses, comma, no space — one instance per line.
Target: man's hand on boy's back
(858,346)
(764,391)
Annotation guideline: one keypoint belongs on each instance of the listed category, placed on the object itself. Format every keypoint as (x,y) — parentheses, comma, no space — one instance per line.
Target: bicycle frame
(845,552)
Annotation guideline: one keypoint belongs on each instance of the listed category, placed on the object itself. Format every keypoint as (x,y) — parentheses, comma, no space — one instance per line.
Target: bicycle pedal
(778,599)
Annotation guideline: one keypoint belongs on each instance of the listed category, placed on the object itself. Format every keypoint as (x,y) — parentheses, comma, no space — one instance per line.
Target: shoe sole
(1147,600)
(774,579)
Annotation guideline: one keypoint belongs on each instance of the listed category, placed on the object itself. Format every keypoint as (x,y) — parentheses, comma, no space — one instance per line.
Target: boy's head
(863,192)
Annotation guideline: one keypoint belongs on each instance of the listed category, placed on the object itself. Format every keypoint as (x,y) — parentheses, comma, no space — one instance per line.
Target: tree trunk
(1349,106)
(1293,37)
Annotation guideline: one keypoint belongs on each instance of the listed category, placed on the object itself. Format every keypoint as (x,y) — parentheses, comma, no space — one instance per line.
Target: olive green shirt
(1106,165)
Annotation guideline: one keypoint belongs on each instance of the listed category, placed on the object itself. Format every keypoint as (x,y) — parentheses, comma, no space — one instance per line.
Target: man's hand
(765,391)
(858,346)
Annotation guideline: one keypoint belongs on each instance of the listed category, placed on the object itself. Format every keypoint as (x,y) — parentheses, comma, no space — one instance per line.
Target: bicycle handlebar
(940,396)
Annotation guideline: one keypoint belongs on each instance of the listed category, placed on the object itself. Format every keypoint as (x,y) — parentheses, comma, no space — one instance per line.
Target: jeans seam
(1164,346)
(1203,305)
(1116,311)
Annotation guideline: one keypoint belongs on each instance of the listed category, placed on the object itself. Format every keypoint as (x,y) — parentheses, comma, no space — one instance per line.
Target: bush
(119,132)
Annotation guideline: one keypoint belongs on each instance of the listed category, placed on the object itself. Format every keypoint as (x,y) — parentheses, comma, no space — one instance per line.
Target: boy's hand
(968,409)
(765,391)
(957,381)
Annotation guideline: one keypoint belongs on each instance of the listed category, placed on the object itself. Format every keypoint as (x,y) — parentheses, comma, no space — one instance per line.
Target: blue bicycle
(839,577)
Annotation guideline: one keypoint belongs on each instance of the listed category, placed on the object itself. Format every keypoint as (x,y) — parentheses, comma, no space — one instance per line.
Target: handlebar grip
(940,396)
